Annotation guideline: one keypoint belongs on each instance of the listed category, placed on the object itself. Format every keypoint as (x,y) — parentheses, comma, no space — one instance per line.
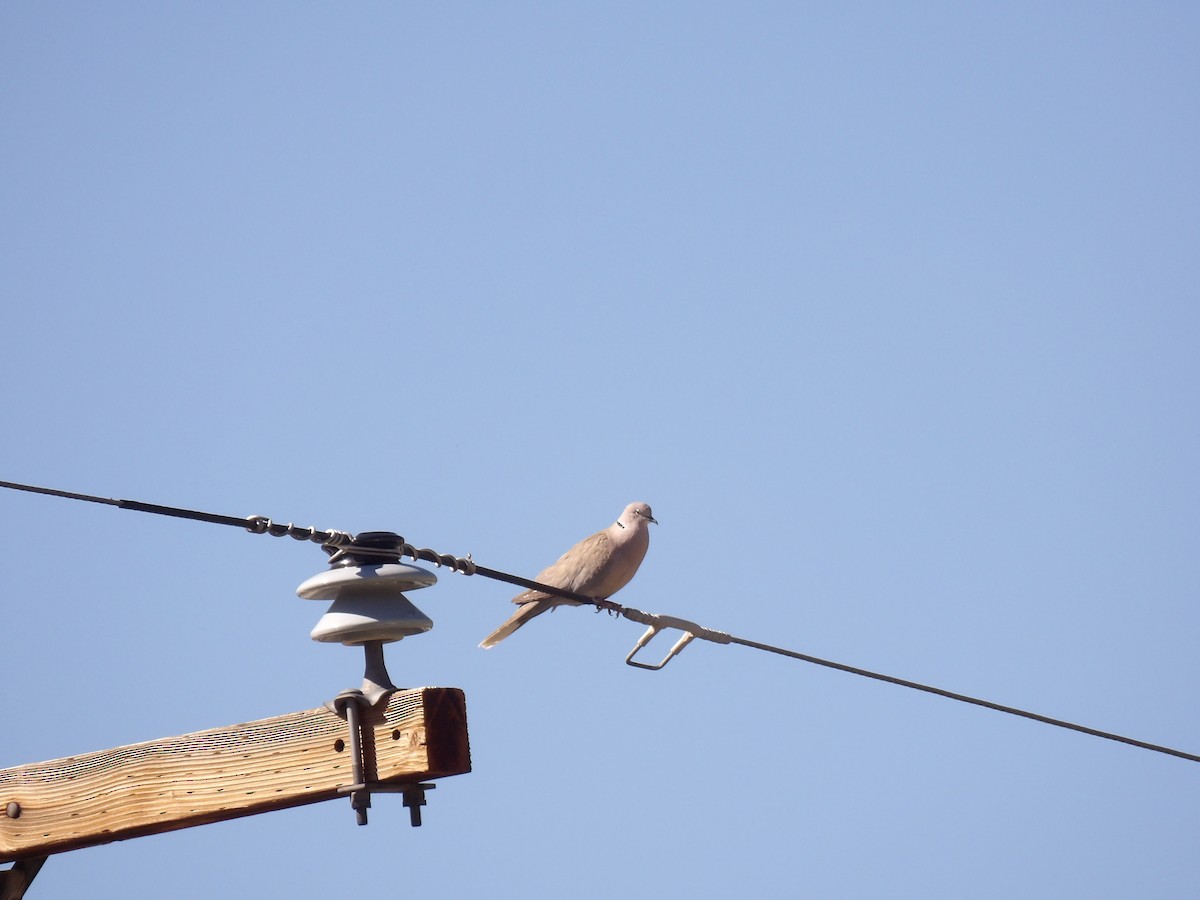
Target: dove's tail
(524,613)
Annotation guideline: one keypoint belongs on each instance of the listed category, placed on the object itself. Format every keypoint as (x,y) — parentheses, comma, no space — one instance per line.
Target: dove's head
(635,513)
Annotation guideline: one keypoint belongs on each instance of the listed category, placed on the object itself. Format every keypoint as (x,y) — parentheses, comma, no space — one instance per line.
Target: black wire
(601,603)
(136,505)
(183,513)
(56,493)
(963,698)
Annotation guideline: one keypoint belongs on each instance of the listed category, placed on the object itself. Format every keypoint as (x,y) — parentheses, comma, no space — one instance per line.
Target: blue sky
(889,310)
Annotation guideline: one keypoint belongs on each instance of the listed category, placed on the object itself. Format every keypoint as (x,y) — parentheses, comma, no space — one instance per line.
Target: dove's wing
(578,570)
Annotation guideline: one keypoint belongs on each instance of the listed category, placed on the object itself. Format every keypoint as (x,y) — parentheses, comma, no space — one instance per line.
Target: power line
(963,698)
(335,542)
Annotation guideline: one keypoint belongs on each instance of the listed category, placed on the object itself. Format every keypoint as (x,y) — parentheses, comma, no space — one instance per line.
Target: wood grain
(223,773)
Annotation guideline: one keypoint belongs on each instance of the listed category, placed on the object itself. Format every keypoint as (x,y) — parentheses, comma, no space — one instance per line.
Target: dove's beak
(652,519)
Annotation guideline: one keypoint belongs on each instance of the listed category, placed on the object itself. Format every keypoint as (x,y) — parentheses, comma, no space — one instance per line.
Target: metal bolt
(13,810)
(414,799)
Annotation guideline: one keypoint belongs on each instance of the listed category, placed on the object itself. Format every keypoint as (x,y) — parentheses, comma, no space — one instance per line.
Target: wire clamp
(657,623)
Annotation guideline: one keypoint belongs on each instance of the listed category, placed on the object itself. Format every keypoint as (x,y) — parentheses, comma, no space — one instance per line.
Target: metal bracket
(350,705)
(657,623)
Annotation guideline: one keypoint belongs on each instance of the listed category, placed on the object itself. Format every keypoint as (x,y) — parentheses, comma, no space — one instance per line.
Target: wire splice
(657,623)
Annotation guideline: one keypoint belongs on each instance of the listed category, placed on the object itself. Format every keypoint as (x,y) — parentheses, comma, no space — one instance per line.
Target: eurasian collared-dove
(597,566)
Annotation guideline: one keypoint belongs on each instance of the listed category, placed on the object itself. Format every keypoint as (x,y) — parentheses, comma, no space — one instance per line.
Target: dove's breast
(622,565)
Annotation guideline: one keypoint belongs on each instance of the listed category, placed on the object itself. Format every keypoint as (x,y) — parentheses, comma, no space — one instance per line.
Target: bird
(598,566)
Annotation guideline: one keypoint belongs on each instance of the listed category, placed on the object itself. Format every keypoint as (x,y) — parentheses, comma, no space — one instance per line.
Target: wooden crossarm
(223,773)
